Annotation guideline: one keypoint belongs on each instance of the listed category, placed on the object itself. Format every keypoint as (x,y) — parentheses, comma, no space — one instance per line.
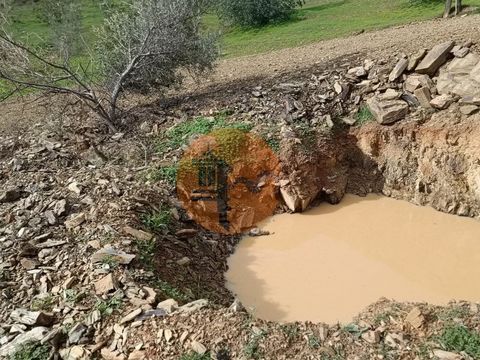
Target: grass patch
(110,261)
(308,136)
(166,173)
(31,351)
(170,291)
(72,296)
(291,331)
(313,342)
(107,307)
(43,303)
(252,348)
(146,253)
(157,221)
(456,337)
(180,134)
(317,20)
(364,115)
(451,313)
(327,19)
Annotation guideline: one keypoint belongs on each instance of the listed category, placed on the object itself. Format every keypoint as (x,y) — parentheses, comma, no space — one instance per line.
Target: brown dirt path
(377,44)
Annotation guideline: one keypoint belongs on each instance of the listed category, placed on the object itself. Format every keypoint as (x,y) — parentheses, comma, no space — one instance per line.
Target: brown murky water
(329,263)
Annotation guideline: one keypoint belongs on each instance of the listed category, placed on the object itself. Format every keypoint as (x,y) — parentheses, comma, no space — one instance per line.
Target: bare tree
(142,47)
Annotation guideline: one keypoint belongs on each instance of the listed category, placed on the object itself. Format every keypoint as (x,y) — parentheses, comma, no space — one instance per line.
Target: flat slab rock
(34,335)
(461,77)
(435,58)
(387,111)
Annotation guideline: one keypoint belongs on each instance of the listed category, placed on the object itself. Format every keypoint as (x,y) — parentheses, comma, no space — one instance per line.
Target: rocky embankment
(428,153)
(81,276)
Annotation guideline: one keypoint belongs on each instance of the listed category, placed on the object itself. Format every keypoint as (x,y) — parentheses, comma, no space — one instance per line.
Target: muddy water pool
(329,263)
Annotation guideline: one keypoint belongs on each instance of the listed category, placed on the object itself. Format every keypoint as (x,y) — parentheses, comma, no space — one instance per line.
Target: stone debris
(169,306)
(415,59)
(371,336)
(64,233)
(199,348)
(75,353)
(415,318)
(468,109)
(110,254)
(106,284)
(129,317)
(74,221)
(138,234)
(387,111)
(398,70)
(441,102)
(435,58)
(446,355)
(32,336)
(424,97)
(32,318)
(9,196)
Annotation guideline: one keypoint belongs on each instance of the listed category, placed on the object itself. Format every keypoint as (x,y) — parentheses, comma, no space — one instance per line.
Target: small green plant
(157,221)
(195,356)
(354,329)
(107,307)
(180,134)
(313,341)
(43,303)
(170,291)
(110,261)
(455,312)
(146,253)
(257,13)
(423,351)
(364,115)
(252,349)
(290,330)
(308,136)
(164,173)
(31,351)
(382,317)
(72,296)
(456,337)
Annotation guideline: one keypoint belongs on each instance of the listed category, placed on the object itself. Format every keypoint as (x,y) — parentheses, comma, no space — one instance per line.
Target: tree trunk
(448,7)
(458,7)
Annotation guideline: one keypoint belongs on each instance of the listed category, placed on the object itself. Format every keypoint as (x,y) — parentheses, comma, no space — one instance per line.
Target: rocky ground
(99,260)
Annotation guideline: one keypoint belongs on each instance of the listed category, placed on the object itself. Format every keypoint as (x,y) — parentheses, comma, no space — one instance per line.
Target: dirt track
(401,39)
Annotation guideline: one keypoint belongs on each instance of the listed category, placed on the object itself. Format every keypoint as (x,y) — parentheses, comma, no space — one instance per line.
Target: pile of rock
(457,80)
(393,89)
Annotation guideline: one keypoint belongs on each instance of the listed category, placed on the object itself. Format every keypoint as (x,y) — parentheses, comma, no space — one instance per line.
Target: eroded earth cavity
(329,263)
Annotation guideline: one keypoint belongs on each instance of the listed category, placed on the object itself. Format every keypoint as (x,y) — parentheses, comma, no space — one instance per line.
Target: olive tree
(254,13)
(144,44)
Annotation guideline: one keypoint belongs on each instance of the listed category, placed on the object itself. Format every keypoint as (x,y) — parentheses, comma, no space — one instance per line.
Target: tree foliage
(255,13)
(65,22)
(143,44)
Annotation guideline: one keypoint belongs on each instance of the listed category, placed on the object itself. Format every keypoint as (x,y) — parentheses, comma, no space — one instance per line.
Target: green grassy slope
(327,19)
(318,20)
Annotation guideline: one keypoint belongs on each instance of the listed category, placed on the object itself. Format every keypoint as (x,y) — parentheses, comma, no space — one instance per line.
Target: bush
(142,45)
(255,13)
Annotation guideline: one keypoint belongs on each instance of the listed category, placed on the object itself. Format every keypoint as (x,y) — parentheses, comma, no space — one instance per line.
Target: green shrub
(31,351)
(456,337)
(255,13)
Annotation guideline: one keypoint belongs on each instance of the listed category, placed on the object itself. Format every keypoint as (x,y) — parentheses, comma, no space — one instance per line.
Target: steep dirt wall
(436,163)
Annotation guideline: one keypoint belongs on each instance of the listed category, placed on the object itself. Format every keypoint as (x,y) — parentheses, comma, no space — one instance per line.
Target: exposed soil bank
(329,263)
(435,163)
